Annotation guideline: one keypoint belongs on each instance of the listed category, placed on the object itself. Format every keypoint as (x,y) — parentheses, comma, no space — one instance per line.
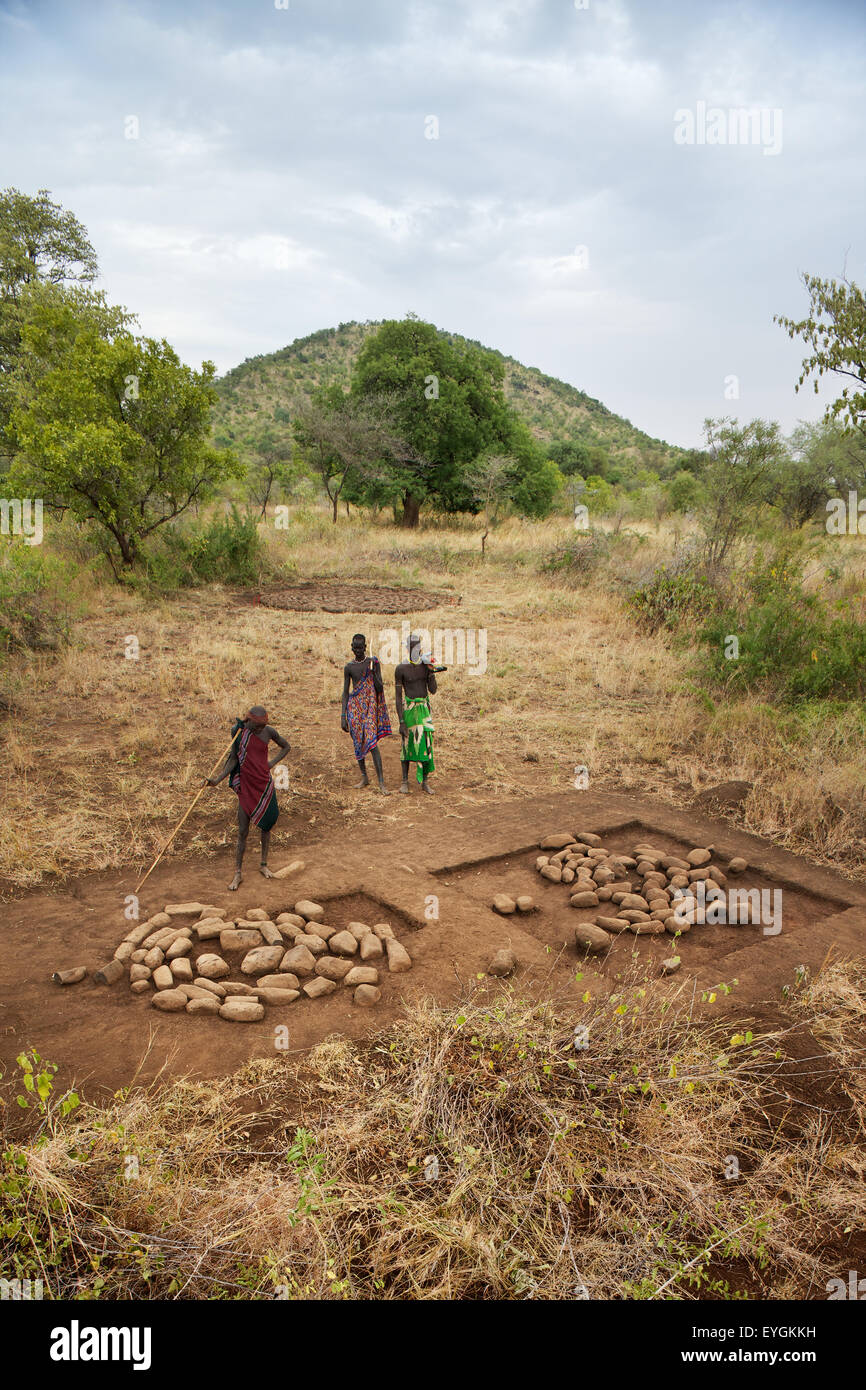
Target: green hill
(273,385)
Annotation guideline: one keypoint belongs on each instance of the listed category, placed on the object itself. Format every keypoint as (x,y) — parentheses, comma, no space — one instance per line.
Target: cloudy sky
(514,170)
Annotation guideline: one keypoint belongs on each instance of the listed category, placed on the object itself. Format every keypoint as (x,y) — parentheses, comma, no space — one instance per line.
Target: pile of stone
(295,955)
(636,892)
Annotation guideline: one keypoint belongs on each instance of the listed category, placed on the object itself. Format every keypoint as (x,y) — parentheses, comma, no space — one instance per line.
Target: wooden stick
(220,760)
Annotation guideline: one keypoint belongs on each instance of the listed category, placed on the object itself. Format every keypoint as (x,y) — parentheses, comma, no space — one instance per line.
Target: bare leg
(365,781)
(266,844)
(404,785)
(243,831)
(377,763)
(425,785)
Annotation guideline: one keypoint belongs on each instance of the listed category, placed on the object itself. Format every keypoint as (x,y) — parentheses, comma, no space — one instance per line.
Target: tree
(571,457)
(684,491)
(269,453)
(447,407)
(835,331)
(490,480)
(823,462)
(744,459)
(39,244)
(111,427)
(346,441)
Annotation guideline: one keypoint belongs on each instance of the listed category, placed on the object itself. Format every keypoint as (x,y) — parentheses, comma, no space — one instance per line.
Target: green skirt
(418,743)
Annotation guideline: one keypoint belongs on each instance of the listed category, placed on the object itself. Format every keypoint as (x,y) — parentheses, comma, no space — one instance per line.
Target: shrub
(34,589)
(225,550)
(673,595)
(576,560)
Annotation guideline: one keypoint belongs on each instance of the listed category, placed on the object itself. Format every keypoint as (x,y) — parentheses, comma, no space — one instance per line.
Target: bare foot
(426,788)
(383,789)
(364,782)
(265,871)
(404,788)
(236,882)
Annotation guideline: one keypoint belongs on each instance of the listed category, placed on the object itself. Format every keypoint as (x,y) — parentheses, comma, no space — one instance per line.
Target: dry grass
(469,1152)
(105,752)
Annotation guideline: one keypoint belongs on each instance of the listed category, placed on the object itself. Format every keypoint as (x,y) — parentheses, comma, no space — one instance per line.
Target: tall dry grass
(472,1152)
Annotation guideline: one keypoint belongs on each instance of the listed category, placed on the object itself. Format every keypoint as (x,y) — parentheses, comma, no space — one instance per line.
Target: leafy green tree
(571,457)
(347,442)
(268,452)
(447,408)
(111,427)
(835,333)
(684,491)
(823,461)
(744,460)
(40,243)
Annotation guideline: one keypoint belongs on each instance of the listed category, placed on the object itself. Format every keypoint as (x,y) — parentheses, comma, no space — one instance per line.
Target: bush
(225,550)
(34,589)
(672,596)
(576,560)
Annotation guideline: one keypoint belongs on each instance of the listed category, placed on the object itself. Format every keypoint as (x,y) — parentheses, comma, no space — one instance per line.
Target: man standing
(415,679)
(364,713)
(249,773)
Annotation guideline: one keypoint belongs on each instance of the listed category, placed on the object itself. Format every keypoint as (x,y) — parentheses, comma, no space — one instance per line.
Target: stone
(366,996)
(154,957)
(139,972)
(137,935)
(399,959)
(673,926)
(567,876)
(505,905)
(633,900)
(323,930)
(262,960)
(344,943)
(211,987)
(679,880)
(170,1001)
(584,899)
(181,947)
(124,952)
(556,841)
(359,930)
(239,938)
(141,986)
(232,987)
(181,969)
(193,991)
(633,914)
(209,928)
(315,944)
(361,975)
(671,965)
(273,997)
(333,967)
(591,938)
(184,909)
(212,967)
(587,838)
(294,868)
(110,973)
(163,978)
(314,989)
(699,857)
(525,903)
(271,933)
(205,1004)
(738,866)
(717,876)
(311,912)
(542,860)
(552,872)
(646,928)
(300,961)
(383,931)
(612,924)
(242,1010)
(209,912)
(698,875)
(287,981)
(137,957)
(291,919)
(258,914)
(503,963)
(371,948)
(159,919)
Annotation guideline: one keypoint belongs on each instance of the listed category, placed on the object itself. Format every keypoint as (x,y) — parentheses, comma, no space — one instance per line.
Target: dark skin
(268,735)
(414,679)
(353,673)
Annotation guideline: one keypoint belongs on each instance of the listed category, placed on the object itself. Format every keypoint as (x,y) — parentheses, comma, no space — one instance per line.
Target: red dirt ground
(105,1037)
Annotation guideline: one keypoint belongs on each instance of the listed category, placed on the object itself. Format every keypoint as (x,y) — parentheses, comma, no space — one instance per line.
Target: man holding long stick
(249,773)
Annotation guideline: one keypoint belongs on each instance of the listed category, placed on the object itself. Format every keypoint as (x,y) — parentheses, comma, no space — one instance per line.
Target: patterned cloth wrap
(418,744)
(252,778)
(367,714)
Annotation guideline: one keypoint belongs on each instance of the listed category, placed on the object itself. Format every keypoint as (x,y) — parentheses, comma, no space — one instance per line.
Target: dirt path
(104,1037)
